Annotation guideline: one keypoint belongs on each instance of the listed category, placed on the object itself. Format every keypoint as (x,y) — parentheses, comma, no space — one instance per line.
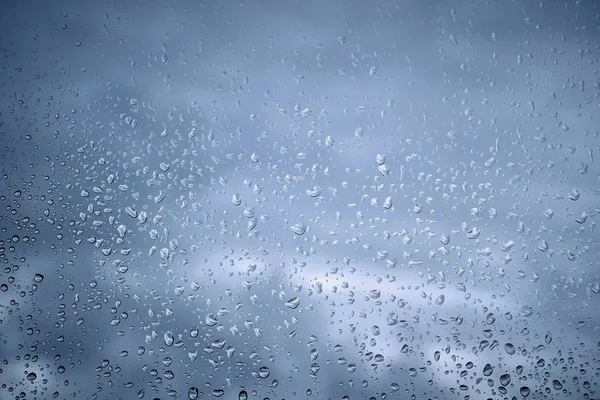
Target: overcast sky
(300,199)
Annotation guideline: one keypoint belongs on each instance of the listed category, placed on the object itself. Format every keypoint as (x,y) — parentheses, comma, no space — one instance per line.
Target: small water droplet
(445,239)
(507,246)
(264,372)
(293,303)
(299,229)
(193,393)
(387,204)
(453,40)
(488,370)
(392,318)
(314,192)
(210,320)
(510,349)
(383,169)
(527,311)
(505,379)
(194,332)
(574,195)
(169,338)
(440,300)
(525,391)
(557,385)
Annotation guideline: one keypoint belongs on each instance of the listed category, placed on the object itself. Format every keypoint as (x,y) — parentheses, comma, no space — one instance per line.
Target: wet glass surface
(299,199)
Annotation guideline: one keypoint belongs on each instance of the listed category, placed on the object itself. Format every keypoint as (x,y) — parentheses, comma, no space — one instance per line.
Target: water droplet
(505,379)
(243,395)
(473,233)
(557,385)
(387,204)
(314,192)
(194,332)
(527,311)
(392,318)
(299,229)
(510,349)
(540,363)
(453,40)
(192,355)
(31,376)
(293,303)
(525,391)
(488,370)
(315,368)
(519,369)
(193,393)
(445,239)
(264,372)
(169,338)
(574,195)
(38,278)
(210,320)
(383,170)
(507,246)
(218,392)
(581,218)
(440,300)
(236,199)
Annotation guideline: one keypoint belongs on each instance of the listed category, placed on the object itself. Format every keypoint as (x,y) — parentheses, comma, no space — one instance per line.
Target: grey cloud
(178,97)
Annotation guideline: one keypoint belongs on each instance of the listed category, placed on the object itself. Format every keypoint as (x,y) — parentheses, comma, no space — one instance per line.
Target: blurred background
(299,199)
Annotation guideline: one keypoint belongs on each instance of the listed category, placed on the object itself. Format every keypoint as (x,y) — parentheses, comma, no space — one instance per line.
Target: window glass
(299,199)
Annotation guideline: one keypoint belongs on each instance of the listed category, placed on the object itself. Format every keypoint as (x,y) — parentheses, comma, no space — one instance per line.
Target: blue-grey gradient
(299,199)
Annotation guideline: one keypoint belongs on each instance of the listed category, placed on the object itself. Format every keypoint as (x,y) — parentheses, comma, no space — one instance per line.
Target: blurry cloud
(139,125)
